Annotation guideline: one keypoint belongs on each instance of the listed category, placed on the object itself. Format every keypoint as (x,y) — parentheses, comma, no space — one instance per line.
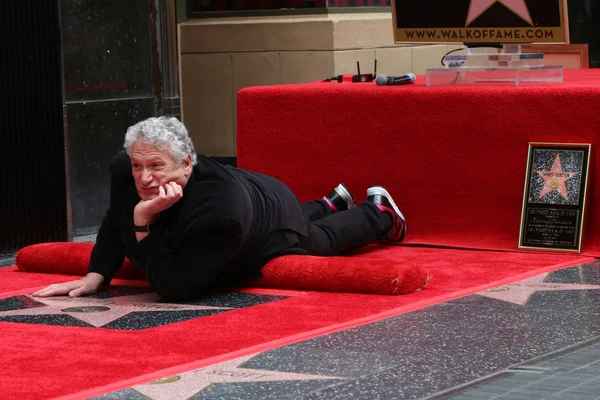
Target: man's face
(153,168)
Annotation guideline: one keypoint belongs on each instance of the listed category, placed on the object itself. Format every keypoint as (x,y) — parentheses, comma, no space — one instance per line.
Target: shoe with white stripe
(340,199)
(383,200)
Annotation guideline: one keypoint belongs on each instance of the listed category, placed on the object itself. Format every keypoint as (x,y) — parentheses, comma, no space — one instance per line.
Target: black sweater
(228,224)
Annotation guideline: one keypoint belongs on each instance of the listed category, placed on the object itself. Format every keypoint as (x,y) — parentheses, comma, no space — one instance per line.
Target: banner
(489,21)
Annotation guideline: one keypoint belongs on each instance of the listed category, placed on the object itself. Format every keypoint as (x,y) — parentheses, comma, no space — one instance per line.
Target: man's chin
(147,195)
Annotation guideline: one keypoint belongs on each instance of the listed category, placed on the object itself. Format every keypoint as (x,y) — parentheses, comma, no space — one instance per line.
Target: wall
(109,86)
(218,57)
(584,26)
(33,187)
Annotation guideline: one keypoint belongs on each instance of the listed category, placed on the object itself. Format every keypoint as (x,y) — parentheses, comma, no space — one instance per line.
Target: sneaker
(383,200)
(340,199)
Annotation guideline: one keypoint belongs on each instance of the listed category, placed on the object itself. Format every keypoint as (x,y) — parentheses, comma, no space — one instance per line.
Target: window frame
(190,14)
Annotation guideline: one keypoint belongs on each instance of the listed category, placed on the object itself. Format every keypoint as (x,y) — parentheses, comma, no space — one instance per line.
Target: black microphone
(396,80)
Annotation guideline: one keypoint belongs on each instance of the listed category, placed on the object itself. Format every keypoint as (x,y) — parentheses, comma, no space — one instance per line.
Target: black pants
(333,234)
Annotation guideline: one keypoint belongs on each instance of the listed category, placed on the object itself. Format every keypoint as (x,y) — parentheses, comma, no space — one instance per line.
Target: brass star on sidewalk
(478,7)
(520,292)
(188,384)
(99,312)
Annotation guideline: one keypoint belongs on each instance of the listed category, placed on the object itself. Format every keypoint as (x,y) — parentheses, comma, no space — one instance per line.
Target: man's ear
(187,165)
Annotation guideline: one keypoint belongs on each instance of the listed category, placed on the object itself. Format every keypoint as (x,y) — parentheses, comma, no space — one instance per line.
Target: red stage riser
(454,158)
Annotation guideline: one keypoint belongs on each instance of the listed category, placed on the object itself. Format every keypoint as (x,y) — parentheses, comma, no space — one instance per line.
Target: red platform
(453,157)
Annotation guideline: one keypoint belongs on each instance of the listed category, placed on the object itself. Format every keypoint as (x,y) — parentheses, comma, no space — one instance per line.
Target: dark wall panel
(96,134)
(109,86)
(32,164)
(106,47)
(584,24)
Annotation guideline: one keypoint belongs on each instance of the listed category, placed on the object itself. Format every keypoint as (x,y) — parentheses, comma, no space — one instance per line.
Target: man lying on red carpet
(188,222)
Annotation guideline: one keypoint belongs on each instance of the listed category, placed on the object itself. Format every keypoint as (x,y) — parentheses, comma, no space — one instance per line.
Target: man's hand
(82,287)
(147,210)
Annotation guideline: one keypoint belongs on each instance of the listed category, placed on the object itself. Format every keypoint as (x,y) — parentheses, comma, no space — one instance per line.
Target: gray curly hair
(166,133)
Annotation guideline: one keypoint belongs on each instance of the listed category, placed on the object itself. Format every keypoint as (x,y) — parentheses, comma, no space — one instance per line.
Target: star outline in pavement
(521,292)
(478,7)
(108,309)
(191,383)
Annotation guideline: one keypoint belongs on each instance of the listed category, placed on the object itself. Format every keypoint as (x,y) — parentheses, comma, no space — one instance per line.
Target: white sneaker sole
(344,194)
(378,190)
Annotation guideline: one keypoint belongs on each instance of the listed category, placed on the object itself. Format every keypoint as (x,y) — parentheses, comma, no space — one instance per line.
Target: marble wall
(108,78)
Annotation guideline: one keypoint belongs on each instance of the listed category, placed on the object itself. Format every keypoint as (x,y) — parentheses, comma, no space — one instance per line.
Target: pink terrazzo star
(186,385)
(520,292)
(478,7)
(555,179)
(99,312)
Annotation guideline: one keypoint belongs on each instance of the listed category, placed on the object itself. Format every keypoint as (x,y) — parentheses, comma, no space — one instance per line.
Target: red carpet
(95,357)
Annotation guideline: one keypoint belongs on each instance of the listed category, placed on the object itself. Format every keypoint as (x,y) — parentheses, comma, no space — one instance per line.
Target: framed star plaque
(490,21)
(554,198)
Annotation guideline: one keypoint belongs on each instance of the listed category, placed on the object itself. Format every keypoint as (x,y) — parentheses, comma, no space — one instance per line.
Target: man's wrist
(95,277)
(147,228)
(141,220)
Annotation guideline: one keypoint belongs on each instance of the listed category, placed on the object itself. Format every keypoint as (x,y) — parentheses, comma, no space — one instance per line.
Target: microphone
(396,80)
